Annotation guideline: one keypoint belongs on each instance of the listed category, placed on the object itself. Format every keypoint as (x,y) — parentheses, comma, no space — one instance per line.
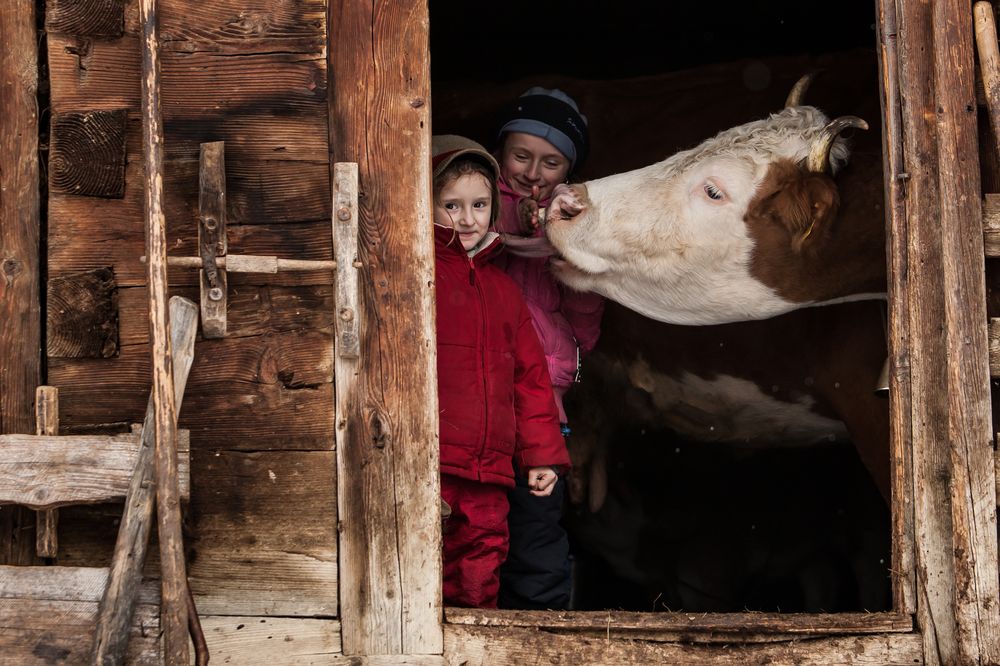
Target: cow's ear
(801,203)
(819,201)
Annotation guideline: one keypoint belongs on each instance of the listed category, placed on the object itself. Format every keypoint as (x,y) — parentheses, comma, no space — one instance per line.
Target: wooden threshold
(689,625)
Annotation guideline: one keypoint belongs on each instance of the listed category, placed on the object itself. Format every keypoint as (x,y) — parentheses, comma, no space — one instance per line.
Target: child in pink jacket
(541,142)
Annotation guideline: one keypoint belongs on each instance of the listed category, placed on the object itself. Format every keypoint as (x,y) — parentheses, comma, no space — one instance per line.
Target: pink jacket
(564,319)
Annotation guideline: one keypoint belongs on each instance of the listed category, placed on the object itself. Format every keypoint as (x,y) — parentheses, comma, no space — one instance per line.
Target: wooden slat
(272,640)
(898,311)
(212,242)
(717,626)
(482,646)
(389,490)
(272,391)
(43,472)
(47,616)
(991,225)
(970,433)
(264,538)
(20,325)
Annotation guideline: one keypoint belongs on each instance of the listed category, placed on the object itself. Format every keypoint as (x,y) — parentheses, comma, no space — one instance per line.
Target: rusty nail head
(347,314)
(211,223)
(215,294)
(344,214)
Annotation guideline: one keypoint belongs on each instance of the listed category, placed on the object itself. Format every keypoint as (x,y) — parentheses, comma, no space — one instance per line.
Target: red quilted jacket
(494,393)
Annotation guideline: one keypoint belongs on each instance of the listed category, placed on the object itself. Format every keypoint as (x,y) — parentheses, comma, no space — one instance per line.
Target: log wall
(260,531)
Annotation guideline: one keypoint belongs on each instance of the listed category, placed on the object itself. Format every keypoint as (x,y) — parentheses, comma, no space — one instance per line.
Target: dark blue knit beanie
(554,116)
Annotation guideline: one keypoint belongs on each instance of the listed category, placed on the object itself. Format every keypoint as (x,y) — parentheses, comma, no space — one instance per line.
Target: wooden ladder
(57,614)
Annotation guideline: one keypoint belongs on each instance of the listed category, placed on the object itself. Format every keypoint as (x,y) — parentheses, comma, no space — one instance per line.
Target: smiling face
(464,204)
(528,161)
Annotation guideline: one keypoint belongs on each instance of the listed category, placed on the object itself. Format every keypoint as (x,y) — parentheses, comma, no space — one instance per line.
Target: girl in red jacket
(495,398)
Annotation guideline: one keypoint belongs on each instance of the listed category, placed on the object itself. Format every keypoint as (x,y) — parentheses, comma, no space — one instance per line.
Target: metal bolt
(346,314)
(344,214)
(215,294)
(211,223)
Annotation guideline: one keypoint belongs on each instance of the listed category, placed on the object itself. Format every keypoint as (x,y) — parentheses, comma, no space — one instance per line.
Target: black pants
(536,574)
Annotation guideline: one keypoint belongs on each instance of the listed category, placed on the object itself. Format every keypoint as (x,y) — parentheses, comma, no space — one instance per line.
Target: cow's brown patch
(810,247)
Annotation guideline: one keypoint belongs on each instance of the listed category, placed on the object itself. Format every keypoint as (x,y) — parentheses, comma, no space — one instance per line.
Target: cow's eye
(713,192)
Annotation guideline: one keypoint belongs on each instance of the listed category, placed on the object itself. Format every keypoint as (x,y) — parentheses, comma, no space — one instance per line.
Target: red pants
(475,541)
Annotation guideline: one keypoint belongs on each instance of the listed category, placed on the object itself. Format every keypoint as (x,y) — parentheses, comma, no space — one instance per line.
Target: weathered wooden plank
(991,224)
(272,391)
(481,646)
(47,616)
(87,155)
(272,640)
(104,75)
(173,581)
(42,471)
(93,18)
(691,624)
(389,486)
(253,311)
(970,434)
(82,315)
(928,403)
(898,312)
(989,61)
(20,324)
(243,26)
(263,531)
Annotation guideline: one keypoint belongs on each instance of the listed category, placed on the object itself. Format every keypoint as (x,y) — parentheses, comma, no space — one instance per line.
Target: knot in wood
(11,267)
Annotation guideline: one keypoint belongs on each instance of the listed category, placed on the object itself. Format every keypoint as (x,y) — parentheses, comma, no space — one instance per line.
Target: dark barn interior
(690,525)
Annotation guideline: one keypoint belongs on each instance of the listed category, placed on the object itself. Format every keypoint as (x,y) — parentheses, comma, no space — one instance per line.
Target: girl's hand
(541,481)
(528,211)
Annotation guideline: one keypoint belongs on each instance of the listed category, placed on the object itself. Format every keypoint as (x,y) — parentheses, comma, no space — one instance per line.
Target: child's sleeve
(583,310)
(539,441)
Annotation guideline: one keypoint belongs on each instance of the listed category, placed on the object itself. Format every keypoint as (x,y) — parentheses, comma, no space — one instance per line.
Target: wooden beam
(989,62)
(47,616)
(20,322)
(970,433)
(118,601)
(88,153)
(898,310)
(93,18)
(174,580)
(483,646)
(43,472)
(390,531)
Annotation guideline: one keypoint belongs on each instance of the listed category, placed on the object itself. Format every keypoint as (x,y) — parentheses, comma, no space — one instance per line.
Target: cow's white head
(703,236)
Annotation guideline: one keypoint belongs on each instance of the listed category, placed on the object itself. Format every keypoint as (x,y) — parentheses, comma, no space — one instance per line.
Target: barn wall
(261,524)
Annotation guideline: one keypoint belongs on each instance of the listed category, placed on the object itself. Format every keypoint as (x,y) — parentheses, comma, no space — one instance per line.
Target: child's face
(464,204)
(529,161)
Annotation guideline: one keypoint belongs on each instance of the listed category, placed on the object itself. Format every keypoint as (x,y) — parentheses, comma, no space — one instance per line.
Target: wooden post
(115,612)
(970,433)
(20,320)
(174,580)
(387,456)
(898,306)
(989,61)
(47,423)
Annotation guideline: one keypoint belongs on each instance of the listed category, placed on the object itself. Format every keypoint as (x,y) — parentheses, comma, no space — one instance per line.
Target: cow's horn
(819,154)
(798,91)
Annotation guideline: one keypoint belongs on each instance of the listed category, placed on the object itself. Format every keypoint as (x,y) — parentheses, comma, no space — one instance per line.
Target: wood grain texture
(87,153)
(976,592)
(482,646)
(82,315)
(263,533)
(389,477)
(268,641)
(42,471)
(93,18)
(47,616)
(20,321)
(898,312)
